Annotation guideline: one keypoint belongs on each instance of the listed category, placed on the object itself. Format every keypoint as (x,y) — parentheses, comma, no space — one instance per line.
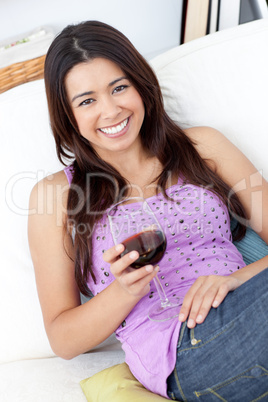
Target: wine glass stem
(161,292)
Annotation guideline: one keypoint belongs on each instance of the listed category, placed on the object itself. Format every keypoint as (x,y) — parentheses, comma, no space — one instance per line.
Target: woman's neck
(140,170)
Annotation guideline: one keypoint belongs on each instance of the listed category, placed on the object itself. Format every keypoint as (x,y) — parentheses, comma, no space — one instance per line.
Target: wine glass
(134,224)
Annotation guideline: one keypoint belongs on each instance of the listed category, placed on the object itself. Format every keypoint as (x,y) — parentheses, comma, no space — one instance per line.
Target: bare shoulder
(237,171)
(50,190)
(54,179)
(225,158)
(207,140)
(48,207)
(222,154)
(200,133)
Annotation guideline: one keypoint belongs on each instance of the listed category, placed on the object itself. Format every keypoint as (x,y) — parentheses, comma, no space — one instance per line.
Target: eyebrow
(92,92)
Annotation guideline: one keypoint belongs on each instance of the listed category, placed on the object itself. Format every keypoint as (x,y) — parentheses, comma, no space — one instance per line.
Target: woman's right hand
(134,281)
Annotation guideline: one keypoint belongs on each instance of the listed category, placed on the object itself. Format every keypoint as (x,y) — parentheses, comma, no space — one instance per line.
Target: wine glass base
(164,312)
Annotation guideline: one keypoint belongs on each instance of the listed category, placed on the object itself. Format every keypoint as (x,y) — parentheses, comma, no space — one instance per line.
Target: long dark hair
(160,136)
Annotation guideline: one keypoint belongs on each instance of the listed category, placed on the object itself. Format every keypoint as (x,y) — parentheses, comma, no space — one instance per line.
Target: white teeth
(116,129)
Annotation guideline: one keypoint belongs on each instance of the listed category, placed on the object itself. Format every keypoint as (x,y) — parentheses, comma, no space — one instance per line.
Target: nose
(109,108)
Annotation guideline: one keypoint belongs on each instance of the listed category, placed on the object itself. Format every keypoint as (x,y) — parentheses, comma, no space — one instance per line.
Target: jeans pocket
(249,386)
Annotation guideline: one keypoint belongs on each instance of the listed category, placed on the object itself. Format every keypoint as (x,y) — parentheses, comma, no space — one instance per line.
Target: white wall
(152,25)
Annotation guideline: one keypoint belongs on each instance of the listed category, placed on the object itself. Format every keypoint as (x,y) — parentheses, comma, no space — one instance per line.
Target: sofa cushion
(54,379)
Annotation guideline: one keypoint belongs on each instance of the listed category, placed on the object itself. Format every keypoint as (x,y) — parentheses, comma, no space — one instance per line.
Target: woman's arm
(73,328)
(251,188)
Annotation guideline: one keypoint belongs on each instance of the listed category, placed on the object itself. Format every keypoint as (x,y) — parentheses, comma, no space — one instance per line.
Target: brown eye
(86,102)
(120,88)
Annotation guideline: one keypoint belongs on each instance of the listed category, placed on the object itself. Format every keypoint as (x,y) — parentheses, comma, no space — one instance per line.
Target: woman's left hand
(206,292)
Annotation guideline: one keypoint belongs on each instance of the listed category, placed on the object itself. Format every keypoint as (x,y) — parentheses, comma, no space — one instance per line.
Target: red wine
(150,245)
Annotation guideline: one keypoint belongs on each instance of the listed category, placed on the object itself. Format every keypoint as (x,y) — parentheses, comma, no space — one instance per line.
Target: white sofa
(219,80)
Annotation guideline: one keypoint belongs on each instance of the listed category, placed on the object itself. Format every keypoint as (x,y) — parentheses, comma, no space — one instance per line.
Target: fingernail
(215,303)
(119,247)
(190,323)
(199,318)
(133,255)
(156,268)
(149,268)
(181,317)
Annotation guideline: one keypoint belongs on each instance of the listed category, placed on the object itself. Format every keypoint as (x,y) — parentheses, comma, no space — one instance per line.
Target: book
(229,14)
(196,19)
(213,16)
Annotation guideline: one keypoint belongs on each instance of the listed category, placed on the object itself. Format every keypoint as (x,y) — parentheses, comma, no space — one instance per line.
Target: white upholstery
(219,80)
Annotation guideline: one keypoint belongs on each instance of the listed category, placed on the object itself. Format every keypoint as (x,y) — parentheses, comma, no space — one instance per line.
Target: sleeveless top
(199,242)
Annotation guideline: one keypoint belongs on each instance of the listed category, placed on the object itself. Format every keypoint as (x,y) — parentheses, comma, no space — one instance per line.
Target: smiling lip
(117,130)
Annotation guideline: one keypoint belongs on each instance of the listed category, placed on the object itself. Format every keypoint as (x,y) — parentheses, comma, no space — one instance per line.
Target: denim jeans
(226,357)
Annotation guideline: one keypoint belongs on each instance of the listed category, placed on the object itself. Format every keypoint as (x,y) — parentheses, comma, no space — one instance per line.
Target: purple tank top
(199,242)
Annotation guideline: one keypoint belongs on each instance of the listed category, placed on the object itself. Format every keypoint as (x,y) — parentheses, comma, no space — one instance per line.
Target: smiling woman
(106,109)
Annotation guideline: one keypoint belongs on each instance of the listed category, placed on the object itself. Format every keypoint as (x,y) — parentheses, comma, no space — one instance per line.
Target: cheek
(139,106)
(136,101)
(84,121)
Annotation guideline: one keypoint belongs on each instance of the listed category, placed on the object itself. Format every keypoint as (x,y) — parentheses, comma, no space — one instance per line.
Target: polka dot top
(199,242)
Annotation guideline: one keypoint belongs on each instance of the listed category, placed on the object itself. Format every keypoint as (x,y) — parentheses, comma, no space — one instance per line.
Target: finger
(197,302)
(194,300)
(113,253)
(136,275)
(188,300)
(211,296)
(124,262)
(199,314)
(220,296)
(141,285)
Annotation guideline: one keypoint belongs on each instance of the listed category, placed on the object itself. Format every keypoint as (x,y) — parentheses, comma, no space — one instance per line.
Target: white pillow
(27,155)
(221,80)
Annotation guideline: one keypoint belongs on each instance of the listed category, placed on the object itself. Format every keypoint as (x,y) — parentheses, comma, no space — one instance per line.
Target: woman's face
(108,109)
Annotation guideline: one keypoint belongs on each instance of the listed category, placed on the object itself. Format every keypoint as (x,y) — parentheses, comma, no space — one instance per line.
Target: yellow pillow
(117,384)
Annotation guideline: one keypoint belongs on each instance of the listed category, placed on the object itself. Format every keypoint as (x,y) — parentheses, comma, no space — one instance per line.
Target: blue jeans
(226,357)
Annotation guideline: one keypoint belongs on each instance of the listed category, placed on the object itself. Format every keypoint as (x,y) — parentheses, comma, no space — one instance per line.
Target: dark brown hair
(159,135)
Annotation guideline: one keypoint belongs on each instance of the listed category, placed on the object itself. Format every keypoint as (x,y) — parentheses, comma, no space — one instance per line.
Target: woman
(106,108)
